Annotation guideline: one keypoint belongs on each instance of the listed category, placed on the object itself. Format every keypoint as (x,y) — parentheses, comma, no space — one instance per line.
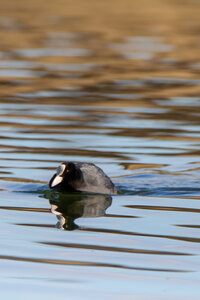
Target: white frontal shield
(58,179)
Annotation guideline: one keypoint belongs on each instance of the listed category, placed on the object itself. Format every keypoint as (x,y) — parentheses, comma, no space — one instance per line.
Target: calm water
(116,84)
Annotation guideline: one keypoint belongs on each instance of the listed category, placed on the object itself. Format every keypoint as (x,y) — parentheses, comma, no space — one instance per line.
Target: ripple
(181,102)
(43,52)
(48,94)
(18,64)
(119,232)
(114,249)
(141,47)
(21,73)
(86,264)
(70,67)
(165,208)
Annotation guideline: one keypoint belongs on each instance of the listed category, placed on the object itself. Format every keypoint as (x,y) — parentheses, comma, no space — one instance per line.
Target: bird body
(83,177)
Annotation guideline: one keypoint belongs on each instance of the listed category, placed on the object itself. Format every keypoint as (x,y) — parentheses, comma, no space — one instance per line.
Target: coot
(81,176)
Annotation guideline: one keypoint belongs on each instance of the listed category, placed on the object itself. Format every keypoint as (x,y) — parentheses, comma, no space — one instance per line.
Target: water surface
(115,84)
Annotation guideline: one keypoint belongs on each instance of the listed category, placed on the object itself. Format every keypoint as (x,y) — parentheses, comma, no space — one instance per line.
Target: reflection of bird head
(64,222)
(69,207)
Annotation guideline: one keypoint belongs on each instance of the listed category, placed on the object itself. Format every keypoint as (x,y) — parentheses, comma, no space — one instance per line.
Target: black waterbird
(83,177)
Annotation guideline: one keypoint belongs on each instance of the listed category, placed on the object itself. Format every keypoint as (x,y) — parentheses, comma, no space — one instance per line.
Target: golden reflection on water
(114,83)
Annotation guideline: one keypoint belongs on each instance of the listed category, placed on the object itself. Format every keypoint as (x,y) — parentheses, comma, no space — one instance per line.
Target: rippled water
(116,84)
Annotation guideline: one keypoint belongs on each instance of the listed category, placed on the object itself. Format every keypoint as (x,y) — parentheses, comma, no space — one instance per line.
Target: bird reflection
(69,207)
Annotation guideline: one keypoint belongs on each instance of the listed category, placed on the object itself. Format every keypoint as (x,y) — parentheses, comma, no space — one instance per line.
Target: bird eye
(60,169)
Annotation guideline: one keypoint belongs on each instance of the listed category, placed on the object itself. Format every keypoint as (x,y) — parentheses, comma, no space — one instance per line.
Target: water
(116,84)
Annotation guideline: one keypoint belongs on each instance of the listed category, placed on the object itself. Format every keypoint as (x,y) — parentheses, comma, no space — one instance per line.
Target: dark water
(116,84)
